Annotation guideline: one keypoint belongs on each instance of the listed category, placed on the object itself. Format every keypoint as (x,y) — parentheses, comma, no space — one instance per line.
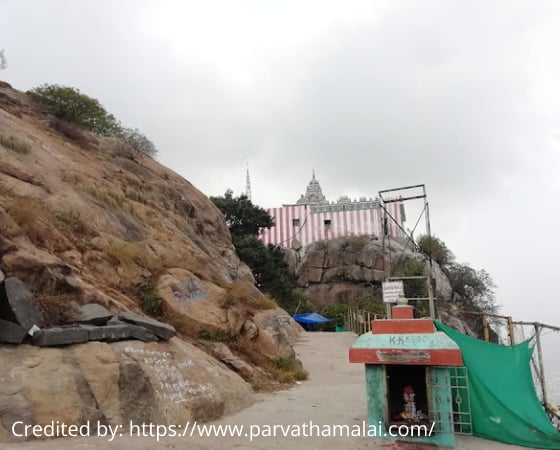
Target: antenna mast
(3,60)
(248,185)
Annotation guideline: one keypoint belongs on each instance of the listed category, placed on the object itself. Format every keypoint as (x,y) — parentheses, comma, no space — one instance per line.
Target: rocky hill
(83,220)
(350,270)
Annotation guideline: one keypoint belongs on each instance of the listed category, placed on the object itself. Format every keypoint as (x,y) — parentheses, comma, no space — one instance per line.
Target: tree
(71,105)
(242,217)
(139,143)
(475,288)
(435,248)
(268,264)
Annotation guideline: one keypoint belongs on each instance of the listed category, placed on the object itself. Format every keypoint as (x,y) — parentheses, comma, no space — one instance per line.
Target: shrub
(215,335)
(15,144)
(338,313)
(71,105)
(73,222)
(150,301)
(138,142)
(435,248)
(244,293)
(413,288)
(288,370)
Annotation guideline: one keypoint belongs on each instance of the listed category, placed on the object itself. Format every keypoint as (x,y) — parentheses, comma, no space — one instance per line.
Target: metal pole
(384,230)
(541,365)
(511,331)
(486,330)
(430,274)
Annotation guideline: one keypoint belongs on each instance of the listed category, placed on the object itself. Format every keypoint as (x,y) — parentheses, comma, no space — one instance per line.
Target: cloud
(460,96)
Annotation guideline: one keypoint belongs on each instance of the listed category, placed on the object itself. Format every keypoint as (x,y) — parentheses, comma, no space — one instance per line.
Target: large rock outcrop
(350,270)
(115,384)
(83,221)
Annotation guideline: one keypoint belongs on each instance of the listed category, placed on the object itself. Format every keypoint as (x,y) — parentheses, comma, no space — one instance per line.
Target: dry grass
(215,335)
(71,132)
(15,144)
(8,226)
(136,196)
(36,220)
(288,370)
(31,215)
(276,370)
(243,293)
(5,190)
(71,177)
(57,309)
(73,222)
(128,253)
(183,324)
(113,200)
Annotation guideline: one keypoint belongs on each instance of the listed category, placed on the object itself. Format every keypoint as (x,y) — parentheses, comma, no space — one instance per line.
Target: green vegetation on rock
(71,105)
(473,289)
(268,264)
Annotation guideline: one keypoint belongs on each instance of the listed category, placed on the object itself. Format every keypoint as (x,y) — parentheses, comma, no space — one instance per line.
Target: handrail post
(541,365)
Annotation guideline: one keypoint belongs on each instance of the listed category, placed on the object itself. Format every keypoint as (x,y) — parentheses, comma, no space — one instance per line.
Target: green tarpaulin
(504,403)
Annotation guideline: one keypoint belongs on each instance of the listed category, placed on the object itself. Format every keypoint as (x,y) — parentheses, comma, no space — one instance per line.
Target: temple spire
(314,193)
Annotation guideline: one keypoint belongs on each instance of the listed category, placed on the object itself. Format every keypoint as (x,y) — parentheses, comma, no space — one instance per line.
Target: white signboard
(392,290)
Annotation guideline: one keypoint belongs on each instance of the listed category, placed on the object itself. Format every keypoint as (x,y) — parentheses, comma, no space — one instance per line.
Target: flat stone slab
(11,333)
(17,303)
(94,313)
(162,330)
(119,331)
(50,337)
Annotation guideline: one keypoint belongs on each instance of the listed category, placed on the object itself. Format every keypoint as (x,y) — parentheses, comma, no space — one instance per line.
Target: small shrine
(408,368)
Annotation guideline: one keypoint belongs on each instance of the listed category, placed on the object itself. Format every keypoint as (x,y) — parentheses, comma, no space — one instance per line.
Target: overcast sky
(463,97)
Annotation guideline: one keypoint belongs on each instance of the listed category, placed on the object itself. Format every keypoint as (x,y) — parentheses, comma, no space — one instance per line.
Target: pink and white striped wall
(299,222)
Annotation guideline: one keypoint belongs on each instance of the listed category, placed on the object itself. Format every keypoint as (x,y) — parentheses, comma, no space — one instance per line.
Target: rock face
(82,222)
(350,270)
(114,384)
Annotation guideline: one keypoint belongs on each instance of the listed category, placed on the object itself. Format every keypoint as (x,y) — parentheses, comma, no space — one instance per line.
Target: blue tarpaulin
(311,318)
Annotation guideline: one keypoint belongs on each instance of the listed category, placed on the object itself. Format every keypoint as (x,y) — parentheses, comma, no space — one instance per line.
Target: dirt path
(334,395)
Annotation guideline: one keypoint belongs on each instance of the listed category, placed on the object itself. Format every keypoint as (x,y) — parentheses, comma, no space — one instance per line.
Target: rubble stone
(11,333)
(50,337)
(17,303)
(160,329)
(94,313)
